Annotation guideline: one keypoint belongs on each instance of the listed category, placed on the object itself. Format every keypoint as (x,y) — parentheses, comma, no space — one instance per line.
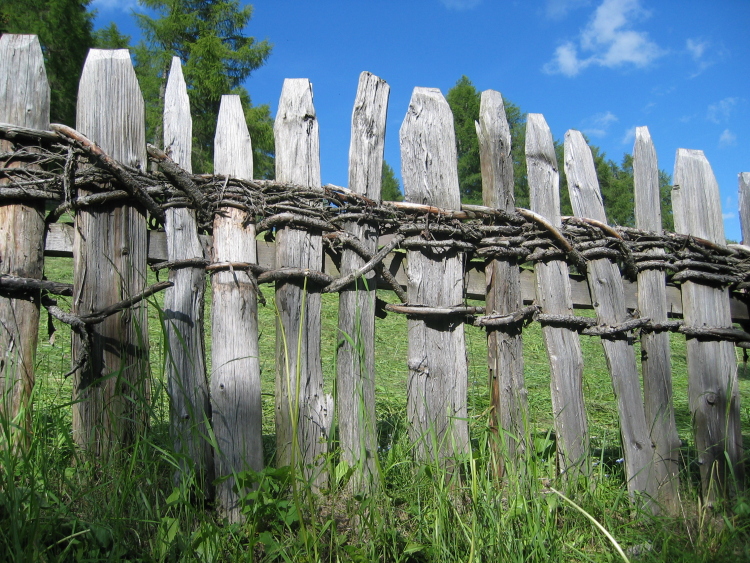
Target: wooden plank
(605,283)
(712,367)
(438,374)
(508,401)
(60,236)
(187,384)
(235,378)
(554,295)
(356,348)
(301,405)
(743,179)
(655,349)
(109,255)
(24,101)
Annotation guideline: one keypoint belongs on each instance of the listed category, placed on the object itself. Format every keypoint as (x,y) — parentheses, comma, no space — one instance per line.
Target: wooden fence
(335,239)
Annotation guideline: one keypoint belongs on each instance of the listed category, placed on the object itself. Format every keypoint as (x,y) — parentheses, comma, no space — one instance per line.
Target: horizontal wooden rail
(60,243)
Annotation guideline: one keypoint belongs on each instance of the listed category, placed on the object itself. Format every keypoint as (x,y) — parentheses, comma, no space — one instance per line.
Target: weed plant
(57,504)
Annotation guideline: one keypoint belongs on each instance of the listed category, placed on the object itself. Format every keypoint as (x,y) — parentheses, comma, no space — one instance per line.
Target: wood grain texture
(605,283)
(356,347)
(187,384)
(553,295)
(743,180)
(712,367)
(299,372)
(438,374)
(655,349)
(235,378)
(24,101)
(109,255)
(508,400)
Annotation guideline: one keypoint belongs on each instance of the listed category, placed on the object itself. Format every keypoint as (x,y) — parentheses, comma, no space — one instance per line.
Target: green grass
(56,504)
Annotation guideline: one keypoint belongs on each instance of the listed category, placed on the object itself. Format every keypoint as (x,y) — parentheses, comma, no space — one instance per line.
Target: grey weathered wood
(300,400)
(355,364)
(553,294)
(60,243)
(187,384)
(438,374)
(712,367)
(508,401)
(744,205)
(605,283)
(24,101)
(110,397)
(235,377)
(655,350)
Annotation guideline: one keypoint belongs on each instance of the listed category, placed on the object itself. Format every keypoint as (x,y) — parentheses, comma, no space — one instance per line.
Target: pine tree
(390,190)
(209,37)
(64,28)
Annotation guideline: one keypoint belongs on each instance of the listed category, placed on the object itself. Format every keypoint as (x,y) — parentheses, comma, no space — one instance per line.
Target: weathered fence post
(508,402)
(301,404)
(109,253)
(438,372)
(655,349)
(24,101)
(235,377)
(187,385)
(356,348)
(713,388)
(608,296)
(553,294)
(743,179)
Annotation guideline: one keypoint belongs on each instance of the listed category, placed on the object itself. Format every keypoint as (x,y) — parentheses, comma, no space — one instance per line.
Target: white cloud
(558,9)
(727,139)
(461,4)
(629,136)
(697,48)
(609,41)
(112,5)
(598,125)
(721,110)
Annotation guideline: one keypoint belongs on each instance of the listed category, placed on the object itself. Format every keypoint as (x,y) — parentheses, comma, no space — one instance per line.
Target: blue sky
(601,66)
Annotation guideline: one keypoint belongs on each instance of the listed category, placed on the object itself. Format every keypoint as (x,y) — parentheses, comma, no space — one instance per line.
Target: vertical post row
(109,254)
(356,349)
(553,294)
(743,180)
(608,296)
(301,405)
(24,101)
(438,372)
(508,401)
(187,385)
(235,378)
(713,389)
(652,303)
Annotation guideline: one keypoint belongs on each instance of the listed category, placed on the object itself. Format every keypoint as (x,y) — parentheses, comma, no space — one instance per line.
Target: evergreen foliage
(209,37)
(390,189)
(615,180)
(64,28)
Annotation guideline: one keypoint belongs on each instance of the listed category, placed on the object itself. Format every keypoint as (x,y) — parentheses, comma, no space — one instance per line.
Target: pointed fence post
(553,294)
(110,397)
(187,384)
(508,401)
(743,179)
(301,404)
(655,349)
(608,295)
(356,349)
(235,377)
(24,101)
(438,372)
(713,388)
